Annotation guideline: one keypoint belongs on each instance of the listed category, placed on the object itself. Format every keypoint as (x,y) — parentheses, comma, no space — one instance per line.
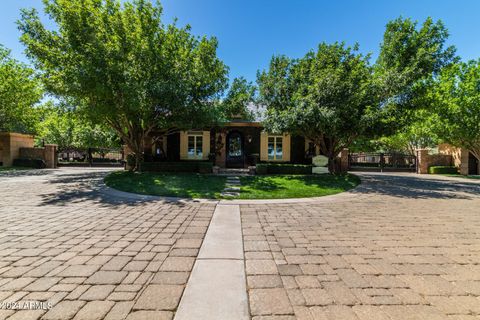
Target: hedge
(442,170)
(180,166)
(30,163)
(277,168)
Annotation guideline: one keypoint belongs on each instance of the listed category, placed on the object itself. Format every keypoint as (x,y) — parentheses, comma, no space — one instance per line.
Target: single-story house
(236,144)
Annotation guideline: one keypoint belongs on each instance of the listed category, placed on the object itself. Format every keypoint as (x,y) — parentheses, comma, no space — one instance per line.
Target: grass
(3,169)
(295,186)
(190,185)
(187,185)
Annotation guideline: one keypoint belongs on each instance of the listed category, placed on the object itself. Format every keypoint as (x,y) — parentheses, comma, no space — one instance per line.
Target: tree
(420,133)
(456,97)
(334,95)
(20,91)
(324,96)
(65,126)
(410,55)
(124,67)
(239,96)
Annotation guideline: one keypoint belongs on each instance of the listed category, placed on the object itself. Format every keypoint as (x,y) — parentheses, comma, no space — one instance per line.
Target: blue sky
(251,31)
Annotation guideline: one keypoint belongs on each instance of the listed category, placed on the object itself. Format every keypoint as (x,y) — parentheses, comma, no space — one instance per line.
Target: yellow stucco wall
(264,147)
(184,145)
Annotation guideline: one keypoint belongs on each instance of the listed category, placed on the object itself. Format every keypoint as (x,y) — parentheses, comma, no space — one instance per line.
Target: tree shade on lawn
(187,185)
(295,186)
(209,186)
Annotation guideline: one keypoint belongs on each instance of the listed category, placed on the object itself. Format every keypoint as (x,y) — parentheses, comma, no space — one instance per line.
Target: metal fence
(382,162)
(91,157)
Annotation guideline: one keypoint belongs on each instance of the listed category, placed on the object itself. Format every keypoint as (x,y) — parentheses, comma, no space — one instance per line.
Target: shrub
(180,166)
(30,163)
(442,170)
(283,168)
(261,168)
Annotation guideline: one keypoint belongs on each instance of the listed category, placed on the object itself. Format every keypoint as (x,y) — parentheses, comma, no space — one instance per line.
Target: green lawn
(188,185)
(295,186)
(191,185)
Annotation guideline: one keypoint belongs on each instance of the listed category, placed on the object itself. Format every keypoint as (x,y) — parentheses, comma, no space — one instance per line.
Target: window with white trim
(195,145)
(275,147)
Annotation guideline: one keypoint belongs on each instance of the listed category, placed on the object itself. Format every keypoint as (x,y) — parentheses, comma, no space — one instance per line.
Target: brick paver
(405,247)
(89,255)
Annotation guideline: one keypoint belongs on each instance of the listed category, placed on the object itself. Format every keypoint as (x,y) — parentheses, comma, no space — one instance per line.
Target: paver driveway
(89,255)
(401,247)
(404,247)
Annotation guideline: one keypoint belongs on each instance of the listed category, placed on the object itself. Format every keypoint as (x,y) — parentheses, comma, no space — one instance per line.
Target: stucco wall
(11,143)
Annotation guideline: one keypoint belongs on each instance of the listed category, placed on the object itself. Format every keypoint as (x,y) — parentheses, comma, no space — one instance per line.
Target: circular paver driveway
(397,247)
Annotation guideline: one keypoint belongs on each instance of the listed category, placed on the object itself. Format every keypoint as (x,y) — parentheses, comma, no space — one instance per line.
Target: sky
(251,31)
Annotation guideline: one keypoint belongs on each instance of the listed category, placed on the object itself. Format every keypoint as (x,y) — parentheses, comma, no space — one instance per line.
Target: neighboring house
(236,144)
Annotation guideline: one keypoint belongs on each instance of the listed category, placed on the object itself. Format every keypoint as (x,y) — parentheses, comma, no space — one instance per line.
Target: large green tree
(410,55)
(334,95)
(124,66)
(455,94)
(20,91)
(65,126)
(330,97)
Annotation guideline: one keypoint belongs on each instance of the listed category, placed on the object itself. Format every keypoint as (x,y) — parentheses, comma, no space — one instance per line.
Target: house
(239,143)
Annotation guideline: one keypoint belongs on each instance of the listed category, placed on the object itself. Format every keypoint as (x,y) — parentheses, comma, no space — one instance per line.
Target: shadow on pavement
(88,186)
(417,186)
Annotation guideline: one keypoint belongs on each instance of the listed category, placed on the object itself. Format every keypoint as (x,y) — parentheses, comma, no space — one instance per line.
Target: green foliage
(63,125)
(179,166)
(283,168)
(19,92)
(420,133)
(455,94)
(443,170)
(334,96)
(240,95)
(324,96)
(124,67)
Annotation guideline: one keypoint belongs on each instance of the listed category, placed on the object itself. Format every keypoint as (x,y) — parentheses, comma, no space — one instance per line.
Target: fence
(382,162)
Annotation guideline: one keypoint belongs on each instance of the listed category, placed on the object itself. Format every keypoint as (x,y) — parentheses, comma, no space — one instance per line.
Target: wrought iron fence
(91,157)
(382,161)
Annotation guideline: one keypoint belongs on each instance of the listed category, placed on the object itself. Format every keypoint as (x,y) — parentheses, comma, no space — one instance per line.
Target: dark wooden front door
(472,165)
(235,150)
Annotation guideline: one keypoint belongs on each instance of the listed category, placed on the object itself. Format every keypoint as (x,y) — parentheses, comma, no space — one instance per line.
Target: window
(195,144)
(275,148)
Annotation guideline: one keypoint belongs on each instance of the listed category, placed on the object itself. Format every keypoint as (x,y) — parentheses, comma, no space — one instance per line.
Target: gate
(91,157)
(398,162)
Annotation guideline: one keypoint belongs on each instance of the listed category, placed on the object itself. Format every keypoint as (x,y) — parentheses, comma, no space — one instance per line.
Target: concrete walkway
(216,289)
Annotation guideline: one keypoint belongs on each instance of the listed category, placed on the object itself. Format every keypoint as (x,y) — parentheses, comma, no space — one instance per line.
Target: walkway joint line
(216,288)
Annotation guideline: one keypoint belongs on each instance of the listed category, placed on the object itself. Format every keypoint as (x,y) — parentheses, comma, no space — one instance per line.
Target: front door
(472,165)
(235,154)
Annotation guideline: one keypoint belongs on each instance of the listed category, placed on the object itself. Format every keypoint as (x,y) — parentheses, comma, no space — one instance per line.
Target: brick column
(422,161)
(51,156)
